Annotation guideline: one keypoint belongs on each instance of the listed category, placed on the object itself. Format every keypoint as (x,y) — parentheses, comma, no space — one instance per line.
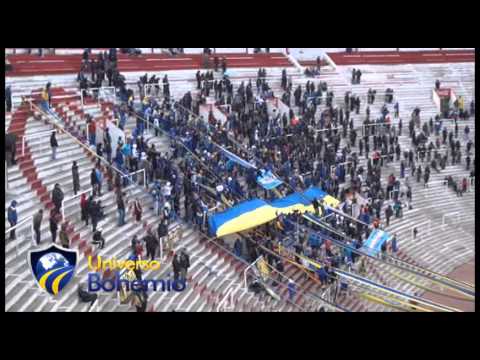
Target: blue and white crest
(53,267)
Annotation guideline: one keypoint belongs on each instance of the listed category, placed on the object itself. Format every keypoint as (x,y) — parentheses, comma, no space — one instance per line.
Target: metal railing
(72,198)
(61,130)
(457,214)
(21,223)
(98,94)
(130,176)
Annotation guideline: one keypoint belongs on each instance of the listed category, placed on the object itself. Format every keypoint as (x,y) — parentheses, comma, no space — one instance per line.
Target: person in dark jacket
(108,151)
(185,264)
(121,209)
(94,212)
(54,145)
(10,148)
(53,225)
(237,248)
(388,214)
(151,244)
(12,218)
(8,98)
(76,178)
(98,238)
(57,197)
(176,265)
(140,300)
(37,223)
(316,206)
(85,296)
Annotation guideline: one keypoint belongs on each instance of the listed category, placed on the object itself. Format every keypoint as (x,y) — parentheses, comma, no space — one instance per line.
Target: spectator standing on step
(76,178)
(57,197)
(184,264)
(37,223)
(162,231)
(92,131)
(237,248)
(426,176)
(95,214)
(151,244)
(137,210)
(291,290)
(224,65)
(12,218)
(84,208)
(358,76)
(394,244)
(409,197)
(94,181)
(63,236)
(383,249)
(120,209)
(8,98)
(53,225)
(166,87)
(176,265)
(99,177)
(388,214)
(10,148)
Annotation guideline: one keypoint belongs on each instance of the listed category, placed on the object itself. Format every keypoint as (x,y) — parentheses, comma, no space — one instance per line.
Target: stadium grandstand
(240,180)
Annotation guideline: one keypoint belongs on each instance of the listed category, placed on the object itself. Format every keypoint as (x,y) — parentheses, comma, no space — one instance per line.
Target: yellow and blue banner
(253,213)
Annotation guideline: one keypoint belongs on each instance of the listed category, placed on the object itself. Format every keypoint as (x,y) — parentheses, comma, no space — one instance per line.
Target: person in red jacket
(92,129)
(464,185)
(84,208)
(137,210)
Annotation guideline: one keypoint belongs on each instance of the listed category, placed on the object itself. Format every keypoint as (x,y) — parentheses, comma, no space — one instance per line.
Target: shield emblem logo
(53,267)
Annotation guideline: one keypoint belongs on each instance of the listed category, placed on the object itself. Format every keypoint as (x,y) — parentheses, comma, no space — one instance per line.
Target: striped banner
(374,243)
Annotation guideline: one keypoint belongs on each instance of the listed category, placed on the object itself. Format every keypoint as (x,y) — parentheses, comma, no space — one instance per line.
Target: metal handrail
(63,130)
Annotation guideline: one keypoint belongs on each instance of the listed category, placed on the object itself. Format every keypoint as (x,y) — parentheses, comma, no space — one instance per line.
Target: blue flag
(268,181)
(374,243)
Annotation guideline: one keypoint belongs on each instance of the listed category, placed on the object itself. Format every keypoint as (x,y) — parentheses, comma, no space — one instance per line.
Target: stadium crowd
(315,143)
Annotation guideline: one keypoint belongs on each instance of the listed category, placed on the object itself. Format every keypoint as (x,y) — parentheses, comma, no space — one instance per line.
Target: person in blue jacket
(12,218)
(119,158)
(291,290)
(394,244)
(237,248)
